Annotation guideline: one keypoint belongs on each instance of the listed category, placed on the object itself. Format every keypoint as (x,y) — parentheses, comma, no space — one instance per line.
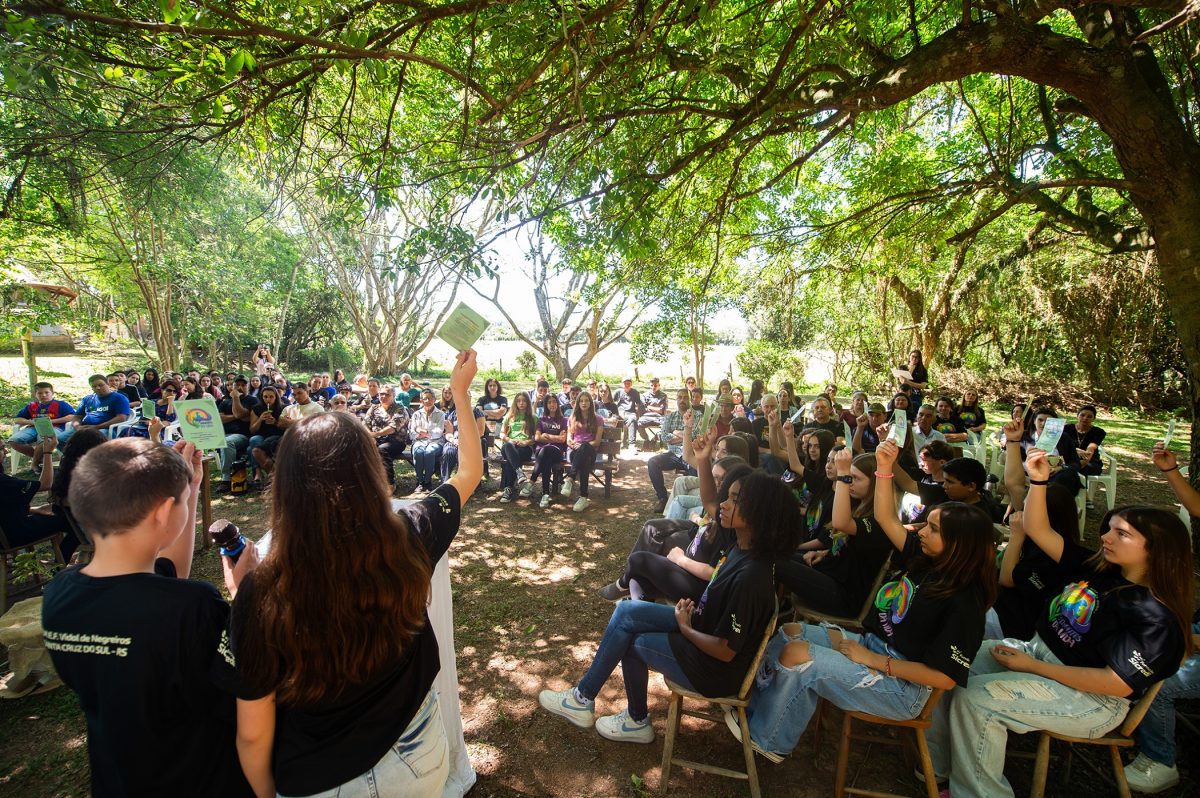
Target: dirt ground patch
(527,617)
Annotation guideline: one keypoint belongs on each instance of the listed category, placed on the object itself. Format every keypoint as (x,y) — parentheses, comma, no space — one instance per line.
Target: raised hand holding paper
(200,423)
(709,418)
(899,432)
(1166,438)
(44,426)
(463,328)
(1052,430)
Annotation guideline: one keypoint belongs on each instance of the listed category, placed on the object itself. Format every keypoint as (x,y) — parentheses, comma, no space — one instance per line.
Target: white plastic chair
(1107,477)
(16,459)
(995,457)
(976,446)
(116,430)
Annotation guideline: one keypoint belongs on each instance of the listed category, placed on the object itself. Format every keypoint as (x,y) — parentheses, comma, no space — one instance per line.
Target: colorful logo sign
(1073,609)
(198,417)
(894,599)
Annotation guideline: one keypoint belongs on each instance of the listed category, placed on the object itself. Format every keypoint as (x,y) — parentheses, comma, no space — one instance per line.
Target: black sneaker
(507,495)
(613,592)
(659,506)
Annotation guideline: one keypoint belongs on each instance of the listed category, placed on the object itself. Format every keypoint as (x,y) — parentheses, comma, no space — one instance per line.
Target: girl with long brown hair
(583,435)
(516,446)
(333,644)
(1120,626)
(917,639)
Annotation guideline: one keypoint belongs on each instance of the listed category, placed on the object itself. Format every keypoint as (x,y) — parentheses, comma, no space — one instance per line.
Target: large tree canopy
(1055,119)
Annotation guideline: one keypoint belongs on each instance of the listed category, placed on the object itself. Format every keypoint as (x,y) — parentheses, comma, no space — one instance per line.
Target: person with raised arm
(920,636)
(1032,567)
(704,645)
(1120,626)
(331,635)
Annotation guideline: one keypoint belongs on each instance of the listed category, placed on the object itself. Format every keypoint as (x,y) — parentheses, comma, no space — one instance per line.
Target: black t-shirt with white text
(147,654)
(321,746)
(943,632)
(737,605)
(1100,620)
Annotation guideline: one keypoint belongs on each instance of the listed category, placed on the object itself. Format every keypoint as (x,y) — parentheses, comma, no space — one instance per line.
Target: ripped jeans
(785,698)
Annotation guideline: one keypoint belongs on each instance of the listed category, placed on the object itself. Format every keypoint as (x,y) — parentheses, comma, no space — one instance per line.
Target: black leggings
(652,576)
(549,464)
(513,457)
(583,460)
(816,591)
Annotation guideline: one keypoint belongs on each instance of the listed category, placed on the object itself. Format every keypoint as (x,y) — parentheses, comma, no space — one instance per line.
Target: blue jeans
(667,461)
(636,637)
(449,460)
(416,766)
(1156,733)
(996,701)
(29,435)
(235,446)
(425,456)
(785,697)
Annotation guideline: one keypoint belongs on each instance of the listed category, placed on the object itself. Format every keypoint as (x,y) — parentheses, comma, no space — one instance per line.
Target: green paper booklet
(463,328)
(847,435)
(200,423)
(44,426)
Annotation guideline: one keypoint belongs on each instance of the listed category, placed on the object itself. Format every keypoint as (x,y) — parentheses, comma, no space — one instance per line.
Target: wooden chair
(918,724)
(850,624)
(608,457)
(1120,738)
(28,587)
(739,702)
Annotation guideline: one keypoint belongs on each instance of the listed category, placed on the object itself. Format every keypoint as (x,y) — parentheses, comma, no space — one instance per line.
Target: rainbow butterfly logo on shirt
(1074,606)
(198,417)
(895,598)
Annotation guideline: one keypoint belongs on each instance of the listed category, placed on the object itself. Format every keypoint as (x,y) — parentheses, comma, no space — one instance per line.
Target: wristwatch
(847,479)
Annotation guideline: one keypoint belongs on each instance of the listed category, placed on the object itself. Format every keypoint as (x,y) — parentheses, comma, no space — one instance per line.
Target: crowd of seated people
(850,512)
(1090,629)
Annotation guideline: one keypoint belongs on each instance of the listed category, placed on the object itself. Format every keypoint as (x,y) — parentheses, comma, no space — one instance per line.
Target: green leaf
(234,64)
(170,10)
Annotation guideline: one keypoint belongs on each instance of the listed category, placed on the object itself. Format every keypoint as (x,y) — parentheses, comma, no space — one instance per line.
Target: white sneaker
(1147,776)
(568,487)
(545,502)
(624,729)
(581,505)
(526,489)
(564,704)
(731,720)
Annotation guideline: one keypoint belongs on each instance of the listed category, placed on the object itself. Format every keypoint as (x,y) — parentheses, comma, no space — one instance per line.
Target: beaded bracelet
(884,476)
(888,666)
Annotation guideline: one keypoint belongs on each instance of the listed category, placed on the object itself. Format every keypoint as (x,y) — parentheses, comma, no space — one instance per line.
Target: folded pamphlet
(463,328)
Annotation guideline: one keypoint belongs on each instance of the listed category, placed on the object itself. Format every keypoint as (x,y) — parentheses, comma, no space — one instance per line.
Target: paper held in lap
(463,328)
(44,426)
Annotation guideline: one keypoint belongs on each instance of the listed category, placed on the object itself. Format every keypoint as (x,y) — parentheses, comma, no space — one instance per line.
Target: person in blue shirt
(103,408)
(43,405)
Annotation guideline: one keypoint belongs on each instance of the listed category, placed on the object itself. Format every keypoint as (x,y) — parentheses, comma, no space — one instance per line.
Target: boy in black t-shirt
(143,646)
